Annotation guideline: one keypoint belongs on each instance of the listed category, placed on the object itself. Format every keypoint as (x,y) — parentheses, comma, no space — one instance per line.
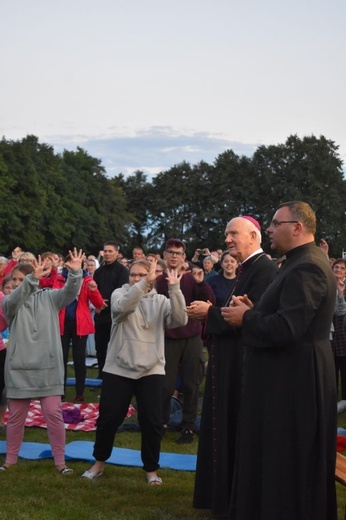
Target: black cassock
(286,445)
(216,448)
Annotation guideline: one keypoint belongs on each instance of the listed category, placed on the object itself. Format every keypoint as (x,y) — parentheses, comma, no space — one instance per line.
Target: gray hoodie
(34,361)
(139,319)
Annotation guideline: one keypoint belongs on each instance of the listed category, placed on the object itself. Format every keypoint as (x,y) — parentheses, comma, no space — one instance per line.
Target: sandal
(3,468)
(66,471)
(91,475)
(154,481)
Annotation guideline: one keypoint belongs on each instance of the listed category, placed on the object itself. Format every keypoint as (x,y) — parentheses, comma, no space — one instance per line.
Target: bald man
(286,445)
(217,440)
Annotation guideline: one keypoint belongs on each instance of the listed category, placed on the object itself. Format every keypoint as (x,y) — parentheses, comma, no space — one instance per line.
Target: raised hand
(55,260)
(183,268)
(324,246)
(151,276)
(76,260)
(341,287)
(198,274)
(41,267)
(173,276)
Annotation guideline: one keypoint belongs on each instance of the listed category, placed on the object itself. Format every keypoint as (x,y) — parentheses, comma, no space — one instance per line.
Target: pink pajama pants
(52,414)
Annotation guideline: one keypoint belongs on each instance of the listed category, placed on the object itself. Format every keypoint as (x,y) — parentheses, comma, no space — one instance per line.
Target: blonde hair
(26,256)
(144,263)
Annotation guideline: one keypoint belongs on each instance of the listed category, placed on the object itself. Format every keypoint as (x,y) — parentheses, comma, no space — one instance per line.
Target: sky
(146,84)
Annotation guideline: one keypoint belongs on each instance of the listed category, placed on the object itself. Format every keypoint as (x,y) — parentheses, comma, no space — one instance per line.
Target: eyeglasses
(174,253)
(140,275)
(159,271)
(276,223)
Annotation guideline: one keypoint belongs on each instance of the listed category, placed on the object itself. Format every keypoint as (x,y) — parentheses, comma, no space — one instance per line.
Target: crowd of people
(276,343)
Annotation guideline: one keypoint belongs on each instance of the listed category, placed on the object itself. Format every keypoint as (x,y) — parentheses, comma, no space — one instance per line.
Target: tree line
(52,201)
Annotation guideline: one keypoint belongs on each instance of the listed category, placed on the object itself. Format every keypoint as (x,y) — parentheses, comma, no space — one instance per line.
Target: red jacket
(9,267)
(47,282)
(84,320)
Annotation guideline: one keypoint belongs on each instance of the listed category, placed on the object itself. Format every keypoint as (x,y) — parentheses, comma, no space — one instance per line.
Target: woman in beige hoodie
(135,364)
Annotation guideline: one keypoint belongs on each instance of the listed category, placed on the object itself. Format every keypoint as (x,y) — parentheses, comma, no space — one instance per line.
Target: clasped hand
(236,310)
(198,309)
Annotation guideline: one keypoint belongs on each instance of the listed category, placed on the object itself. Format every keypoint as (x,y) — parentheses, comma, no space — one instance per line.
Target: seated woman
(135,364)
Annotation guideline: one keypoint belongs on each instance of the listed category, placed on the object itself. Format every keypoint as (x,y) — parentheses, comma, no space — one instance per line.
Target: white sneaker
(91,475)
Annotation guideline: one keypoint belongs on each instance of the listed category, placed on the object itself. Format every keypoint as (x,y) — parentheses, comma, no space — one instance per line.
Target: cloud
(150,150)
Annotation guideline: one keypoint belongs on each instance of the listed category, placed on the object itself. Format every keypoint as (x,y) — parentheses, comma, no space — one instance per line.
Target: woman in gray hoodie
(34,366)
(135,364)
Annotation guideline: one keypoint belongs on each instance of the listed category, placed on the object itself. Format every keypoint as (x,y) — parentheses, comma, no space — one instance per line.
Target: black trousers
(183,356)
(102,335)
(78,353)
(116,395)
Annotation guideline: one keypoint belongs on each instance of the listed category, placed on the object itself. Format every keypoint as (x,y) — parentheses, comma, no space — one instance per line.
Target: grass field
(33,490)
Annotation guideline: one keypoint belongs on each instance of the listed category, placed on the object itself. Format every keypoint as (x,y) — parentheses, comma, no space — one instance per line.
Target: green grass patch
(33,490)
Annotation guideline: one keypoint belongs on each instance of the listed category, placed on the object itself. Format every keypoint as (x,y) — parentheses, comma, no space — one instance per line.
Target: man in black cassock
(286,446)
(217,437)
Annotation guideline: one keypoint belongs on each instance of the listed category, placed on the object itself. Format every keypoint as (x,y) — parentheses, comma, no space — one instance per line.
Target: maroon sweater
(191,291)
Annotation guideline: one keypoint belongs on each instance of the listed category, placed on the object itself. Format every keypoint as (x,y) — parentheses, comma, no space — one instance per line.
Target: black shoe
(185,437)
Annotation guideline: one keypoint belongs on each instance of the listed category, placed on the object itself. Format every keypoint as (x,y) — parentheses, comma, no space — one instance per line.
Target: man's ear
(298,229)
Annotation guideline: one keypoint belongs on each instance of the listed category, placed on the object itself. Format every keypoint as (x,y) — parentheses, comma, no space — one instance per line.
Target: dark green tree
(139,198)
(307,169)
(97,207)
(203,208)
(228,194)
(53,202)
(170,211)
(50,201)
(26,204)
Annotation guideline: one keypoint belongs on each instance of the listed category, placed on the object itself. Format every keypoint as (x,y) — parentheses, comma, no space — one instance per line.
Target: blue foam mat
(82,450)
(71,381)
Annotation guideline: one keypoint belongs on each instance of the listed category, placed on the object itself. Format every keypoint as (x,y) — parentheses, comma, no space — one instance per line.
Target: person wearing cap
(286,443)
(92,264)
(217,440)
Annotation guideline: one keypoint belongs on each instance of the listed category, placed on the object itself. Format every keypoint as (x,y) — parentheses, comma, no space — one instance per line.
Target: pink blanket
(88,411)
